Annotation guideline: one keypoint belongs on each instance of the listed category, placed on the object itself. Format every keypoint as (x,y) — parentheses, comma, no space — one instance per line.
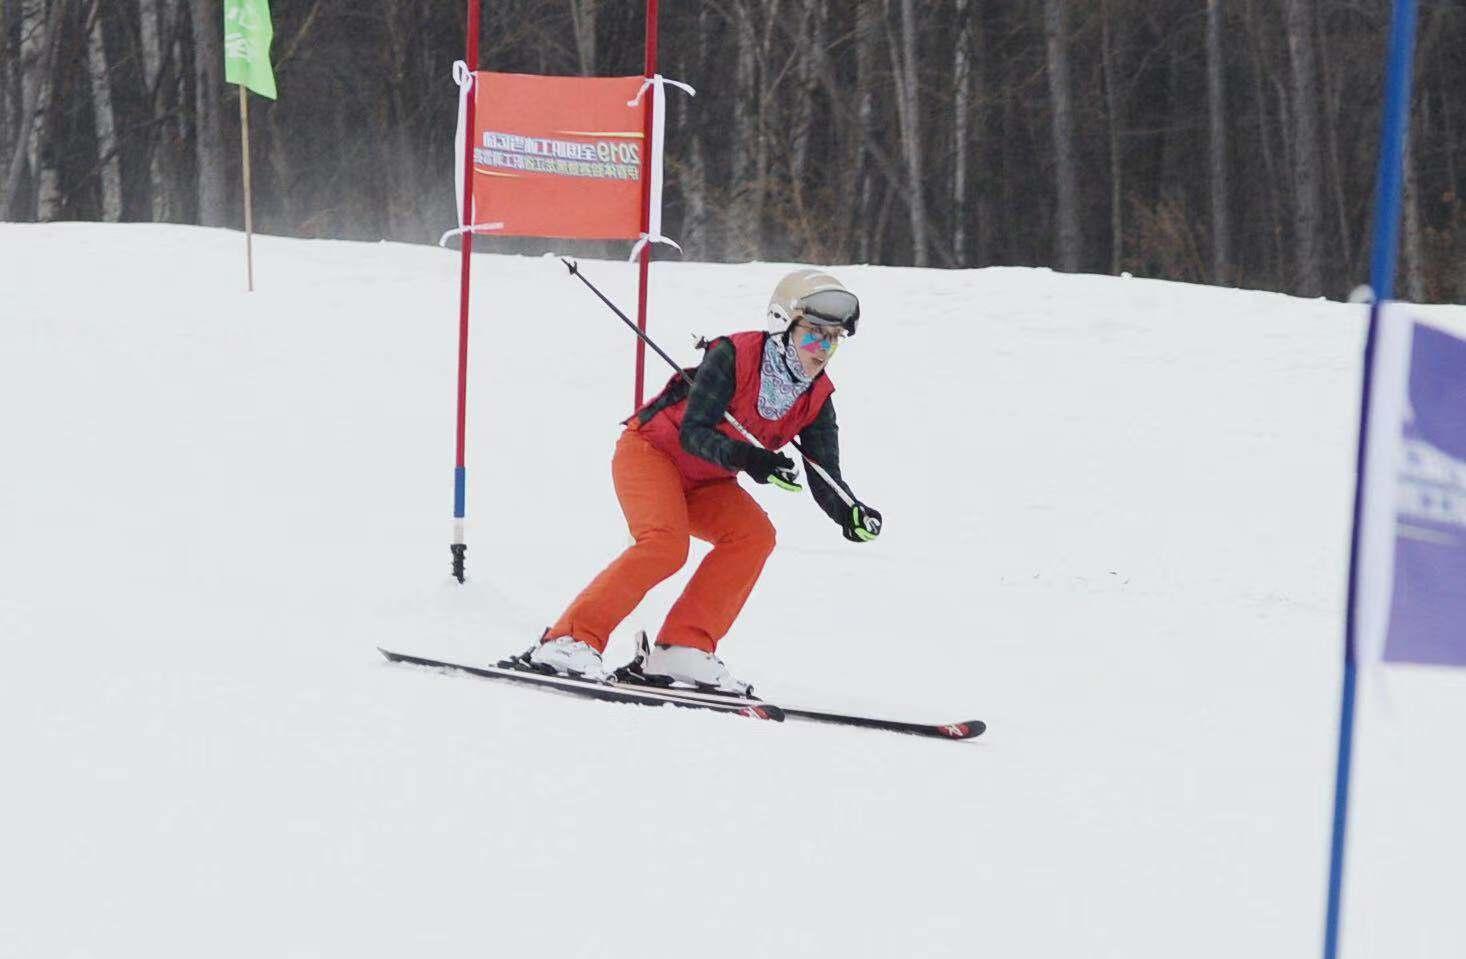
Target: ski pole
(789,478)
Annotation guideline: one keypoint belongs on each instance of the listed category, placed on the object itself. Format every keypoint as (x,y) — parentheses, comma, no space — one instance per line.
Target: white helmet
(813,295)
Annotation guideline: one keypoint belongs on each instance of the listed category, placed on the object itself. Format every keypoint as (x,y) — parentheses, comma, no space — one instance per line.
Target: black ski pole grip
(459,554)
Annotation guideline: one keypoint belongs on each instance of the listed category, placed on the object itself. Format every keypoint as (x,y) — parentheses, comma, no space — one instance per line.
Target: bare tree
(1331,79)
(1307,209)
(810,51)
(40,29)
(694,174)
(108,160)
(1221,231)
(1068,240)
(1263,131)
(880,131)
(749,145)
(43,148)
(867,35)
(157,27)
(1113,121)
(9,89)
(208,34)
(403,214)
(1414,247)
(583,26)
(961,108)
(908,116)
(981,190)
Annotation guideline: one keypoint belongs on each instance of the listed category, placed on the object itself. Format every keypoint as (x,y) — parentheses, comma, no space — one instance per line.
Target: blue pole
(1341,813)
(1391,154)
(1382,279)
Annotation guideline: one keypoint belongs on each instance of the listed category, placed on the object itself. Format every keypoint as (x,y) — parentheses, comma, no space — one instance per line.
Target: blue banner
(1427,622)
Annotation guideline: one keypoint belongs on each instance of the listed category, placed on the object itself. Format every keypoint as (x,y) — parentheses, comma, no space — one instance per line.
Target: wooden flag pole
(249,226)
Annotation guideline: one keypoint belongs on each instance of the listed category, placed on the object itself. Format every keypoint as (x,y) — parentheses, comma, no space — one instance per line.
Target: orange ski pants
(662,514)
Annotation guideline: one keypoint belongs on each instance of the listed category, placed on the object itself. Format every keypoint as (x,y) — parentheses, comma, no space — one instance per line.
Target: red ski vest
(664,429)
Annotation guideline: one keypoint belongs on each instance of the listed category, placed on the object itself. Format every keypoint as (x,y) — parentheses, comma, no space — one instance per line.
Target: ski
(968,729)
(606,692)
(647,694)
(634,675)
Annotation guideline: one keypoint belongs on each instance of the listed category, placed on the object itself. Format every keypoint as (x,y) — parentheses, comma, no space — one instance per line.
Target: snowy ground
(1117,517)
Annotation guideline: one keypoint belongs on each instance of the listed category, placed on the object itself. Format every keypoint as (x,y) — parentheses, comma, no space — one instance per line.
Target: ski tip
(968,730)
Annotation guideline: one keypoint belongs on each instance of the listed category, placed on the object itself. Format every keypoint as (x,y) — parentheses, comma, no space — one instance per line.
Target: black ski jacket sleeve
(821,442)
(712,391)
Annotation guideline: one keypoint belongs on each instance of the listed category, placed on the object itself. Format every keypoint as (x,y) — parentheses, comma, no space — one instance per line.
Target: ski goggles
(831,308)
(817,336)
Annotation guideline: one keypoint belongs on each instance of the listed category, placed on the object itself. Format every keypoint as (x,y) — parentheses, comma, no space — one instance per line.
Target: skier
(675,469)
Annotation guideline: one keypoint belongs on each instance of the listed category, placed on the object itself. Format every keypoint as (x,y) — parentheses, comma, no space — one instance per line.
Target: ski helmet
(812,295)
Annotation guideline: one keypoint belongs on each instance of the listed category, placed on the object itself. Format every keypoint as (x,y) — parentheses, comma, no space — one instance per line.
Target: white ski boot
(683,664)
(568,656)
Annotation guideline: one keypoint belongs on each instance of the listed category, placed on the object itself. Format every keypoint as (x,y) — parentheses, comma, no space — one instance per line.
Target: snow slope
(1118,521)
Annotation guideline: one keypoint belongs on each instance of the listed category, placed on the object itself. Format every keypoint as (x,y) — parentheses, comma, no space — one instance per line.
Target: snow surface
(1118,515)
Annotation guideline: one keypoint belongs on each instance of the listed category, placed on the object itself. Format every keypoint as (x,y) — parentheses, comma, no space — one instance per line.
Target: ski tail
(591,689)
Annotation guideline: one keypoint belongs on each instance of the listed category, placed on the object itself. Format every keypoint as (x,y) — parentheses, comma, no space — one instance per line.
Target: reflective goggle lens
(833,308)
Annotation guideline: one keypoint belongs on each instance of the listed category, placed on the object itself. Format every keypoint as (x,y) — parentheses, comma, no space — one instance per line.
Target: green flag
(247,36)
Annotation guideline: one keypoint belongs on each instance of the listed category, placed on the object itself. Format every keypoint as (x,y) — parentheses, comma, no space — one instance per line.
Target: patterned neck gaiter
(781,378)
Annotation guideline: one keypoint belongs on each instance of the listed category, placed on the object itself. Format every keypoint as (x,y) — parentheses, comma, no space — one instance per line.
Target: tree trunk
(403,219)
(1015,230)
(1307,219)
(747,187)
(1448,133)
(766,114)
(1069,243)
(805,68)
(1177,141)
(867,29)
(182,169)
(694,177)
(1414,246)
(1264,146)
(882,220)
(982,175)
(1221,228)
(9,82)
(159,66)
(208,31)
(961,107)
(43,128)
(1114,120)
(282,173)
(1333,80)
(108,158)
(583,25)
(908,117)
(40,27)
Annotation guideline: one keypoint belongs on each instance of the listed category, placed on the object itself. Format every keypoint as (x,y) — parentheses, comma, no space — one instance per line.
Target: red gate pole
(646,197)
(460,472)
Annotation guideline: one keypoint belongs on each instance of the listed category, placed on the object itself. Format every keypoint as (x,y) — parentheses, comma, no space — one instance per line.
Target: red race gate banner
(557,156)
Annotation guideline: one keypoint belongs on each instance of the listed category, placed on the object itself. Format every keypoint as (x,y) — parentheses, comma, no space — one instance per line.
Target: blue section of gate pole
(1388,182)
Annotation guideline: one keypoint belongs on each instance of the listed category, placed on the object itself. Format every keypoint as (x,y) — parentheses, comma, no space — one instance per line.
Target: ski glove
(863,524)
(768,466)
